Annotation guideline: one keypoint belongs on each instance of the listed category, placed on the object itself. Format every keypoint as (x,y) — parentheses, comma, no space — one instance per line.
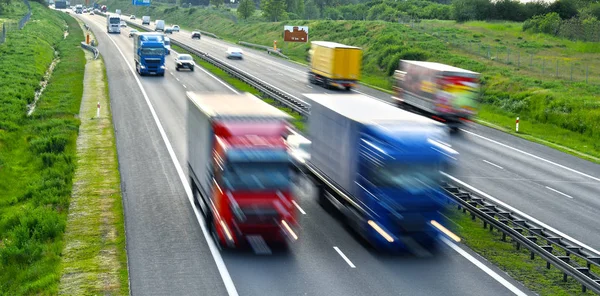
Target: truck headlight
(162,67)
(142,66)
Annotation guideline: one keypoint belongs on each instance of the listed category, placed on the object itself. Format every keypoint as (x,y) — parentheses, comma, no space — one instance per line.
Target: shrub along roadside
(37,153)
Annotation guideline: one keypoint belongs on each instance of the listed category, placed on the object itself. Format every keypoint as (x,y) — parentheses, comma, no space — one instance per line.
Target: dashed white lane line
(298,207)
(176,78)
(534,156)
(563,194)
(184,86)
(484,268)
(229,285)
(344,257)
(215,77)
(491,163)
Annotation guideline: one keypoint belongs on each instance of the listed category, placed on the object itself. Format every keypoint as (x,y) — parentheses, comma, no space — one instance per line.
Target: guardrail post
(532,255)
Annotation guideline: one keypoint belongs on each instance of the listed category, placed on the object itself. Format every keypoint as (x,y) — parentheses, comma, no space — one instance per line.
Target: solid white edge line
(344,257)
(484,268)
(564,194)
(491,163)
(534,156)
(215,78)
(298,207)
(589,249)
(229,286)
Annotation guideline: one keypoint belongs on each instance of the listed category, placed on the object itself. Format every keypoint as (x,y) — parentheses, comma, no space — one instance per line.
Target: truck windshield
(257,176)
(412,177)
(115,20)
(152,51)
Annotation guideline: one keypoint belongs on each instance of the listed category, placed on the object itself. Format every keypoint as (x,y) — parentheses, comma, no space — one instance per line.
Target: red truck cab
(237,143)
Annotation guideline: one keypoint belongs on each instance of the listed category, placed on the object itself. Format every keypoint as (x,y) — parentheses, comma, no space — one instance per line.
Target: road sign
(141,2)
(295,33)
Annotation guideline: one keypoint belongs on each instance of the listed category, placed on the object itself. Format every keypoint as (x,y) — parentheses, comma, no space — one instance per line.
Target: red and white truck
(240,169)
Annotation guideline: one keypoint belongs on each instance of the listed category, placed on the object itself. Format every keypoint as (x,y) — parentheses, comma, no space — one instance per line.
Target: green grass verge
(517,263)
(243,87)
(94,256)
(37,153)
(572,109)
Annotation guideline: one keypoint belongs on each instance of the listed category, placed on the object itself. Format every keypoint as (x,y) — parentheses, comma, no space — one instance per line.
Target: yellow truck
(334,64)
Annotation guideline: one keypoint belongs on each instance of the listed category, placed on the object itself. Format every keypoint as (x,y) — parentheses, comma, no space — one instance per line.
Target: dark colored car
(196,35)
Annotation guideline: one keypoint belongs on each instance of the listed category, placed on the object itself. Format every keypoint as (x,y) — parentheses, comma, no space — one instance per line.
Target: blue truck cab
(149,53)
(381,168)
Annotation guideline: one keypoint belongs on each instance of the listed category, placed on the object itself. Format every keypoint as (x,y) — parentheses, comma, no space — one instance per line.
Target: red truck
(103,8)
(240,169)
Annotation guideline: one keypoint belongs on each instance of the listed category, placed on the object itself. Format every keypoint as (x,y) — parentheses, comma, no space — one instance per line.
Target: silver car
(235,53)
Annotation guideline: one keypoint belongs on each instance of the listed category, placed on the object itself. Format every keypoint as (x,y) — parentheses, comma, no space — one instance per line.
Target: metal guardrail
(93,49)
(269,49)
(556,250)
(21,23)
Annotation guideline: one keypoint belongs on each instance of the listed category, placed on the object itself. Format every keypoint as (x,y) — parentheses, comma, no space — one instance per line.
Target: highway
(168,248)
(551,186)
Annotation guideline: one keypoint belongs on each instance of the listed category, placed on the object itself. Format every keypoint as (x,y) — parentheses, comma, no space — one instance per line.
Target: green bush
(52,144)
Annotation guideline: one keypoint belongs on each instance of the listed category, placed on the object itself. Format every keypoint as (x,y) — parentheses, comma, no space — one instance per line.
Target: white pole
(517,123)
(98,112)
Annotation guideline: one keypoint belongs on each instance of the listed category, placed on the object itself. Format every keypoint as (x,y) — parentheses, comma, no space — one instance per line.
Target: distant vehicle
(168,31)
(159,25)
(118,11)
(103,9)
(92,12)
(175,28)
(184,61)
(132,17)
(132,32)
(149,54)
(145,20)
(379,166)
(240,169)
(196,35)
(299,148)
(444,93)
(78,9)
(113,24)
(334,64)
(123,24)
(60,4)
(167,42)
(235,53)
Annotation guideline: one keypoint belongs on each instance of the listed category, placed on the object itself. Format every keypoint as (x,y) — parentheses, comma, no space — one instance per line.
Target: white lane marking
(491,163)
(229,286)
(184,86)
(344,257)
(559,192)
(506,206)
(484,268)
(298,207)
(309,86)
(172,73)
(215,78)
(176,78)
(534,156)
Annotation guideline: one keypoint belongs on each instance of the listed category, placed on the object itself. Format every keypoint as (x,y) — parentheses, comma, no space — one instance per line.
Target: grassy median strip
(504,254)
(94,256)
(242,86)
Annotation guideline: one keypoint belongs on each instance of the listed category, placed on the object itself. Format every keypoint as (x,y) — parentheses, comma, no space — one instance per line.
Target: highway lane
(167,253)
(551,206)
(313,266)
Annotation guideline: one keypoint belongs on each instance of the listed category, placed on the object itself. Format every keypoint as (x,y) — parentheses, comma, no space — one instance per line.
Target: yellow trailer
(334,64)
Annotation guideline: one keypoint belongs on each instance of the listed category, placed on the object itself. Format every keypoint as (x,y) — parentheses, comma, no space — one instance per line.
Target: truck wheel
(176,68)
(454,129)
(326,83)
(311,78)
(192,69)
(348,88)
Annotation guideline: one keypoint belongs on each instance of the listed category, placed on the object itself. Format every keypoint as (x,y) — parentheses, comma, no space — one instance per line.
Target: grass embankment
(94,256)
(12,13)
(517,263)
(551,110)
(38,152)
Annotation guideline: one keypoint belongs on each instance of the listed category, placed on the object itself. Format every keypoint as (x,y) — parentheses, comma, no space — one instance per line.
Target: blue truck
(380,167)
(149,52)
(166,41)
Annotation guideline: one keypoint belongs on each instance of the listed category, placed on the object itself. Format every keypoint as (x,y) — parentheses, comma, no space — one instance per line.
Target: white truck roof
(234,106)
(330,44)
(439,67)
(367,110)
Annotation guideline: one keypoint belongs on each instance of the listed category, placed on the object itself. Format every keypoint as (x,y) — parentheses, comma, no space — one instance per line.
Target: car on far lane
(235,53)
(131,32)
(184,61)
(132,17)
(168,31)
(175,28)
(92,12)
(196,35)
(123,24)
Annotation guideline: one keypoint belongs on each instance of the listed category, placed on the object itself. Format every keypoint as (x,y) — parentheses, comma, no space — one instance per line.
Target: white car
(299,148)
(235,53)
(175,28)
(123,24)
(184,61)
